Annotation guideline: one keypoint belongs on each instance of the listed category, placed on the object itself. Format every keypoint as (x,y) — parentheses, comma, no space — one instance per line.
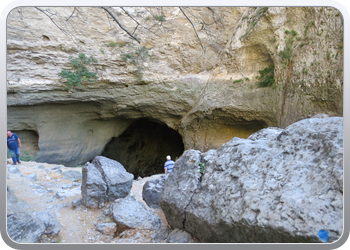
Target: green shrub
(266,76)
(79,72)
(27,156)
(201,167)
(112,44)
(286,54)
(159,18)
(137,58)
(288,51)
(236,81)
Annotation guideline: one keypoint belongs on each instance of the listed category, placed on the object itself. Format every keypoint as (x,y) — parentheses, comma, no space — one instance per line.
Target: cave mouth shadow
(143,147)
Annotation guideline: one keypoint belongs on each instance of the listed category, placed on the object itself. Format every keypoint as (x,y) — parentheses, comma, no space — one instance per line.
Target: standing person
(14,144)
(168,165)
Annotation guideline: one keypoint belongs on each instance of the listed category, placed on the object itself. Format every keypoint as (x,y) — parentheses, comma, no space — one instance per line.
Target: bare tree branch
(55,23)
(193,28)
(138,22)
(116,20)
(71,14)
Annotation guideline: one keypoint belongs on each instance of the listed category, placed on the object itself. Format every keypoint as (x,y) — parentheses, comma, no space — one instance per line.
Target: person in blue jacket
(14,144)
(168,165)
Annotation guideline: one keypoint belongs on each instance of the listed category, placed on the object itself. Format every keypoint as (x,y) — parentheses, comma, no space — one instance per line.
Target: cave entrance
(143,147)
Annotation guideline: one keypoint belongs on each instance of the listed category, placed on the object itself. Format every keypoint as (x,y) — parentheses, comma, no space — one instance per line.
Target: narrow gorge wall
(199,83)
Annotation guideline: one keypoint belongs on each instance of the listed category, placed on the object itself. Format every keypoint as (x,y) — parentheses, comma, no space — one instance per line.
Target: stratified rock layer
(204,87)
(279,185)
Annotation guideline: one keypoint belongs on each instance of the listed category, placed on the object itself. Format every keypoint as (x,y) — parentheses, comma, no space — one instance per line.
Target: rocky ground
(42,186)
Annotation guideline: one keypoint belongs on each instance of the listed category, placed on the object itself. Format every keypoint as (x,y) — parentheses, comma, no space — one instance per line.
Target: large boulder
(93,187)
(151,191)
(104,180)
(23,227)
(118,180)
(276,186)
(130,213)
(179,187)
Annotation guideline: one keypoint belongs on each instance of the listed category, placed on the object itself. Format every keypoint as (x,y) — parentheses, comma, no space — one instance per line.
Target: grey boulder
(93,187)
(151,191)
(107,228)
(118,180)
(179,236)
(22,226)
(129,213)
(104,180)
(52,226)
(276,186)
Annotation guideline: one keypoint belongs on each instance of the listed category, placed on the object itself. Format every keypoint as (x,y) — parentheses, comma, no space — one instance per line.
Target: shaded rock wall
(207,97)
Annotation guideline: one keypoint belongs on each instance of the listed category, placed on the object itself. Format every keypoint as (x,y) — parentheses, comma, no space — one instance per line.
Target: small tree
(137,58)
(79,73)
(266,76)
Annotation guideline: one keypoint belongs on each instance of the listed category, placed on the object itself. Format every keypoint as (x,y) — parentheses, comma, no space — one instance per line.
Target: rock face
(151,191)
(279,185)
(104,180)
(208,94)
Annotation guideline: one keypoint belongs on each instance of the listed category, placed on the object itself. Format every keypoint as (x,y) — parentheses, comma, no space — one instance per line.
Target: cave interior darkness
(143,147)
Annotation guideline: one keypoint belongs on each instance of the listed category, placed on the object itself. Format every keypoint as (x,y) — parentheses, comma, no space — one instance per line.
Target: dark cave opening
(143,147)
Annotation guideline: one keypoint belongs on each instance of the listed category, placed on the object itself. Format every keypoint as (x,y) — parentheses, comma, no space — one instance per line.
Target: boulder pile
(278,185)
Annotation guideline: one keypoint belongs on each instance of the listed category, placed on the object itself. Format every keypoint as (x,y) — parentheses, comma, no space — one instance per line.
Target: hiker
(168,165)
(14,144)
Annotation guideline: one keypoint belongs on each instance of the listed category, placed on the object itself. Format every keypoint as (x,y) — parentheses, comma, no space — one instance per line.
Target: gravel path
(77,224)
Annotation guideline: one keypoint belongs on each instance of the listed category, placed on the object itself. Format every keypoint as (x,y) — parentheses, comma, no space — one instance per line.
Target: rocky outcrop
(279,185)
(204,87)
(151,191)
(104,180)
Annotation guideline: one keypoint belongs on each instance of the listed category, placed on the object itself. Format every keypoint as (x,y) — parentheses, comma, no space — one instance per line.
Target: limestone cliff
(199,79)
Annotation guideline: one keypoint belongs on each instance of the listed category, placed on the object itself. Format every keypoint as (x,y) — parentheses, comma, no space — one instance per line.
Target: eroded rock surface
(208,97)
(276,186)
